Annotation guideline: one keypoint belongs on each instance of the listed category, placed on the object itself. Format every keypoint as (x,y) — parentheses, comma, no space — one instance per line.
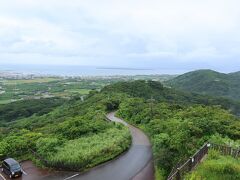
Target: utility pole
(151,103)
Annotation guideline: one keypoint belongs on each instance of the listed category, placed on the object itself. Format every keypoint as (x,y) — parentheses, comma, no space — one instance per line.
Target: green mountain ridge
(209,82)
(155,90)
(235,73)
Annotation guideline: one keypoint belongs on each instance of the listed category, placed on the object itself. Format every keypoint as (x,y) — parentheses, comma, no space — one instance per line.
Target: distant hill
(209,82)
(155,90)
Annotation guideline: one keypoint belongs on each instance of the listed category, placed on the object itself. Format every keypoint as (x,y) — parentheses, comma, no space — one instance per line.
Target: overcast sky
(127,33)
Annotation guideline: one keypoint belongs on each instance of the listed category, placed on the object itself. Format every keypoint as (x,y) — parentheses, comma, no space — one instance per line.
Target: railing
(190,164)
(179,171)
(226,150)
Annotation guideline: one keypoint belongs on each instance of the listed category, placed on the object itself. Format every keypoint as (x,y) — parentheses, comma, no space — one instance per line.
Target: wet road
(135,164)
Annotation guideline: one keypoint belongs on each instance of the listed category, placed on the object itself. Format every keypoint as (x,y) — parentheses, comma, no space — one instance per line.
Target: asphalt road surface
(135,164)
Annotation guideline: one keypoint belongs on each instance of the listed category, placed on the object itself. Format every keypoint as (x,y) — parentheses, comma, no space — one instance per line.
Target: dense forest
(209,82)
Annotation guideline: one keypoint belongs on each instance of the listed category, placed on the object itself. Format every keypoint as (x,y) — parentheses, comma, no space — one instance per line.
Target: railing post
(190,164)
(178,176)
(208,146)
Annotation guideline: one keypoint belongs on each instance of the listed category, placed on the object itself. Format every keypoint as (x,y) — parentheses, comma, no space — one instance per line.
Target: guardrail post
(178,176)
(190,164)
(208,147)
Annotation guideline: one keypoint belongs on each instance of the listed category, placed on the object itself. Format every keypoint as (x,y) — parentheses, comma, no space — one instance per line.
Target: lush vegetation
(178,123)
(77,128)
(86,152)
(177,131)
(210,83)
(217,167)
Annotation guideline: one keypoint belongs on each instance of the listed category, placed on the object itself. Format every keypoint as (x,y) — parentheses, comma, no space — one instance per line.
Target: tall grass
(86,152)
(217,167)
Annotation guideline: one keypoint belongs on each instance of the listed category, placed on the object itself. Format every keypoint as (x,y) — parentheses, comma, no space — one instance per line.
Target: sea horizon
(84,70)
(81,70)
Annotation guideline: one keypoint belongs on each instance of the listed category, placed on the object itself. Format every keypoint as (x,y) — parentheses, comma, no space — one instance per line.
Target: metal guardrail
(179,171)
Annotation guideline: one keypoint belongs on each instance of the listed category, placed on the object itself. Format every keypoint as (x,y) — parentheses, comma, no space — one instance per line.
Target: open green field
(45,87)
(80,91)
(26,81)
(5,101)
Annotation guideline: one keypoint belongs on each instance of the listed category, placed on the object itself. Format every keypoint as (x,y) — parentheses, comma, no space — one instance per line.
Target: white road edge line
(2,177)
(71,177)
(24,172)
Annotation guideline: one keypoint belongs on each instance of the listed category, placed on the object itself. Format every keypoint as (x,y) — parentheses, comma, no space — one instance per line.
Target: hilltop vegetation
(209,82)
(155,90)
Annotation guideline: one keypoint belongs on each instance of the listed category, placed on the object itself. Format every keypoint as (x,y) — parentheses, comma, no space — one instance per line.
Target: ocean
(60,70)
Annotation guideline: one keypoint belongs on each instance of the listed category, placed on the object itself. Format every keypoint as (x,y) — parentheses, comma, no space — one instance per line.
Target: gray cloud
(126,33)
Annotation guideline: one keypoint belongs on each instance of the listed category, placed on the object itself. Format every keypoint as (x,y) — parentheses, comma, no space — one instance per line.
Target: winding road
(135,164)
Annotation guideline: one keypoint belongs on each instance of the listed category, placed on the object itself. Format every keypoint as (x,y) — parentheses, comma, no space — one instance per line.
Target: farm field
(12,90)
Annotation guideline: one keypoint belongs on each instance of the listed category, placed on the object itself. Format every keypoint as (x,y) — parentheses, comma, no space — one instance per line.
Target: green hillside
(178,123)
(209,82)
(73,136)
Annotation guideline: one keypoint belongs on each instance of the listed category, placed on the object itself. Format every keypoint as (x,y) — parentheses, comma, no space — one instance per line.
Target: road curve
(135,164)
